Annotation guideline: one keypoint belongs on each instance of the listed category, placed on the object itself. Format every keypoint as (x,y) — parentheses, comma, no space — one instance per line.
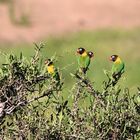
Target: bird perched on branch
(90,55)
(52,71)
(84,59)
(117,67)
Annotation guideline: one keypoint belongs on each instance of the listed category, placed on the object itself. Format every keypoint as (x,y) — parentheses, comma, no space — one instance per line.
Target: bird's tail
(84,70)
(116,78)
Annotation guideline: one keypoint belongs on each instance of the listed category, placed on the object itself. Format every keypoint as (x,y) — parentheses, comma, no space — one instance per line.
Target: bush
(32,105)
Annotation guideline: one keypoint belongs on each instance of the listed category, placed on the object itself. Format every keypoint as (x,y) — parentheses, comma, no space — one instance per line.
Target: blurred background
(104,26)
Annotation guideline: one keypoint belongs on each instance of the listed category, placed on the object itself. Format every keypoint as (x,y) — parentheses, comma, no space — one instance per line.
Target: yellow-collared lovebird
(90,55)
(117,67)
(83,60)
(52,71)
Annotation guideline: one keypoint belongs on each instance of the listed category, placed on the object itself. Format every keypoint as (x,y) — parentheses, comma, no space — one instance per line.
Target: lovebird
(90,55)
(52,71)
(84,59)
(117,67)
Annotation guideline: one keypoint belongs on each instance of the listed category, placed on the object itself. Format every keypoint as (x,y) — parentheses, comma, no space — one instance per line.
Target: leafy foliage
(33,107)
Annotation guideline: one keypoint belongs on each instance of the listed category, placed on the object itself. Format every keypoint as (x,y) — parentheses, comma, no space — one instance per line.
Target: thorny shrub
(32,106)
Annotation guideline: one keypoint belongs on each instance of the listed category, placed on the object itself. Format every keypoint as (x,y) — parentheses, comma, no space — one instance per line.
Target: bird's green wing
(81,61)
(87,62)
(56,75)
(121,68)
(118,68)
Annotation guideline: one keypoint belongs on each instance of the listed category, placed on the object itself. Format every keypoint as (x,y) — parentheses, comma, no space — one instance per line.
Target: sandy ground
(53,17)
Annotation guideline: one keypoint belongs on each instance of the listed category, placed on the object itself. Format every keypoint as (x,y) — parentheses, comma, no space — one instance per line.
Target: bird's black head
(48,62)
(90,54)
(80,50)
(113,58)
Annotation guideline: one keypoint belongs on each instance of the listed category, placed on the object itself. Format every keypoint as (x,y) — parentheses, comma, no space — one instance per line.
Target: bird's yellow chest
(84,54)
(118,61)
(50,69)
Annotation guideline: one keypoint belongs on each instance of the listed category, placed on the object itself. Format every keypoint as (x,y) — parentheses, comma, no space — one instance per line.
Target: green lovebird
(90,55)
(117,67)
(84,59)
(52,71)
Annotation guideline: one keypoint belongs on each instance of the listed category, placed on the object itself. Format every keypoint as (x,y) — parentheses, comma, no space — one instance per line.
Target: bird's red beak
(77,51)
(46,61)
(110,59)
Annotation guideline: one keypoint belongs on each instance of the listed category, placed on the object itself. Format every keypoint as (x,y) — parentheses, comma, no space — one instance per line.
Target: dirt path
(51,17)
